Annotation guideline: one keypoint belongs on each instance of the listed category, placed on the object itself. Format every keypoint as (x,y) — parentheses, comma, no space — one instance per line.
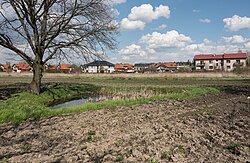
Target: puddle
(83,100)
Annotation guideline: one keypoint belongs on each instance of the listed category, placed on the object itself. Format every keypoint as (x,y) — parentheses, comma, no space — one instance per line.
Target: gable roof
(164,64)
(99,63)
(5,66)
(123,66)
(220,56)
(23,66)
(208,56)
(61,67)
(235,56)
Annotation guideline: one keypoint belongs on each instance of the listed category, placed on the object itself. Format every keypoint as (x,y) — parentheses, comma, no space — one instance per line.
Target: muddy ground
(213,128)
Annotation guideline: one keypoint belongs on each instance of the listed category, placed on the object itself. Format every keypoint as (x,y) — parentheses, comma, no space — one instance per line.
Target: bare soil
(213,128)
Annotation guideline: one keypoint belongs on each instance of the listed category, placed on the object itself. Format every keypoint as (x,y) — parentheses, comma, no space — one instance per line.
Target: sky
(176,30)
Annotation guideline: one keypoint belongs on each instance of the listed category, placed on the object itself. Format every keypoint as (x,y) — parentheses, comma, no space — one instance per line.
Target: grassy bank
(25,105)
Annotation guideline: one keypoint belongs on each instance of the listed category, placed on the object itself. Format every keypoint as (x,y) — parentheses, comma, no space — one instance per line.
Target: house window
(211,67)
(228,61)
(217,64)
(210,61)
(216,60)
(228,67)
(238,61)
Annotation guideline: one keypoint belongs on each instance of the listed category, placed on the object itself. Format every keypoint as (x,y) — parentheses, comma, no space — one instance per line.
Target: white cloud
(211,48)
(118,1)
(132,24)
(205,20)
(126,58)
(247,45)
(146,13)
(235,39)
(236,23)
(169,39)
(196,11)
(133,50)
(163,26)
(143,14)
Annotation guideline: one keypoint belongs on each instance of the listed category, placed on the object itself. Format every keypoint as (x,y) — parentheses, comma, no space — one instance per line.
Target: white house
(225,62)
(98,67)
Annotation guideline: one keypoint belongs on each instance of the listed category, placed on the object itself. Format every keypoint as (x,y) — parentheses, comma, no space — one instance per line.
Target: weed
(26,147)
(119,142)
(119,158)
(234,148)
(91,133)
(167,155)
(152,161)
(176,149)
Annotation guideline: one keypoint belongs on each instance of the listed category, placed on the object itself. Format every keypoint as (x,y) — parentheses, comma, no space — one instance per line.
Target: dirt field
(215,128)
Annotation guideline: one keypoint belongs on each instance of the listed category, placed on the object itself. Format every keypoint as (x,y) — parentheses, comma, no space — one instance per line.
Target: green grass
(25,105)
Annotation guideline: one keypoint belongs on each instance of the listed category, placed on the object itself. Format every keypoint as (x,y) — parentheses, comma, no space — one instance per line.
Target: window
(237,61)
(211,67)
(210,61)
(228,67)
(217,64)
(217,60)
(228,61)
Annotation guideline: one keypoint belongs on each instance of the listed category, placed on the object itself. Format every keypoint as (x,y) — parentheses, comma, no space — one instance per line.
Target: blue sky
(176,30)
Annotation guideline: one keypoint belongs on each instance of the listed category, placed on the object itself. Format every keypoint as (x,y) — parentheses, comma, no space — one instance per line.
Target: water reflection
(83,100)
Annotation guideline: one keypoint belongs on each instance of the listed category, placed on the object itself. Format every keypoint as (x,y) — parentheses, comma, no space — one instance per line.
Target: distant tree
(41,30)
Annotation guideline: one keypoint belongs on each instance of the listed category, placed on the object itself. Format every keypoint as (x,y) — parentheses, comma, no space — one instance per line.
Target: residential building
(98,67)
(164,67)
(225,62)
(124,67)
(21,66)
(62,68)
(5,67)
(142,67)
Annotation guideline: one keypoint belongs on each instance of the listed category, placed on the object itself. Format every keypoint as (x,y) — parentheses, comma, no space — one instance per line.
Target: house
(142,67)
(124,67)
(164,67)
(5,67)
(224,62)
(21,66)
(62,68)
(98,67)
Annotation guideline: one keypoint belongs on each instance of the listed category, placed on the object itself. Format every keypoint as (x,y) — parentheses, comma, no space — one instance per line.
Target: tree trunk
(35,85)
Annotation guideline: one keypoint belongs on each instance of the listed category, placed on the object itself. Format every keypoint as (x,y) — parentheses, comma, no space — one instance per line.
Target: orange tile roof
(124,66)
(61,67)
(166,64)
(5,66)
(23,66)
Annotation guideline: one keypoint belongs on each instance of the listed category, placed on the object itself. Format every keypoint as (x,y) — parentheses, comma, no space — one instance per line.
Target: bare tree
(41,30)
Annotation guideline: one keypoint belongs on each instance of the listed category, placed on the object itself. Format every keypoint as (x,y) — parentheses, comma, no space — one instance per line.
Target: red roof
(23,66)
(208,56)
(166,64)
(124,66)
(235,56)
(61,67)
(5,66)
(220,56)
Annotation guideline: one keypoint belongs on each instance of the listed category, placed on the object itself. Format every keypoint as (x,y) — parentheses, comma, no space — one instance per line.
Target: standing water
(83,100)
